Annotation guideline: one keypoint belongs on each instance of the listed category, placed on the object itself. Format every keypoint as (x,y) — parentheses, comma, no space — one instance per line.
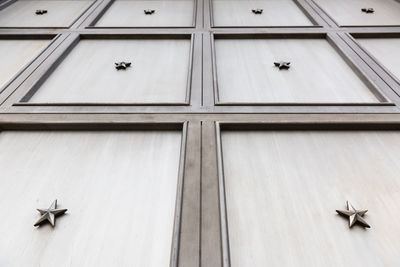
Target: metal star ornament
(41,11)
(354,215)
(49,215)
(257,11)
(122,65)
(368,10)
(282,65)
(149,11)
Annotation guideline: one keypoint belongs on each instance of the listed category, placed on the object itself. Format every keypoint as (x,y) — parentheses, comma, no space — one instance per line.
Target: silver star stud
(282,65)
(354,215)
(149,11)
(50,214)
(368,10)
(257,11)
(122,65)
(41,11)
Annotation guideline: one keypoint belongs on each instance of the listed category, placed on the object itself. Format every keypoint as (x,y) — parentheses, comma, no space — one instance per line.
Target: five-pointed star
(50,214)
(257,11)
(122,65)
(368,10)
(41,11)
(282,65)
(354,215)
(149,11)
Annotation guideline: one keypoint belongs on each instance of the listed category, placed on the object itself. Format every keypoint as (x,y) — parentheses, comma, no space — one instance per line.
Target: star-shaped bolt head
(368,10)
(122,65)
(41,11)
(282,65)
(257,11)
(49,215)
(149,11)
(354,215)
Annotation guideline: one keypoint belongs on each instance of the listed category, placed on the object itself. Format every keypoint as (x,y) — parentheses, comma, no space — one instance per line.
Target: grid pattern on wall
(204,62)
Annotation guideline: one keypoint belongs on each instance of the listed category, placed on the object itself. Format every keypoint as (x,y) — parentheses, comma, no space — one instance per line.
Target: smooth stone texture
(318,74)
(119,187)
(60,13)
(348,12)
(168,13)
(158,73)
(275,13)
(283,189)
